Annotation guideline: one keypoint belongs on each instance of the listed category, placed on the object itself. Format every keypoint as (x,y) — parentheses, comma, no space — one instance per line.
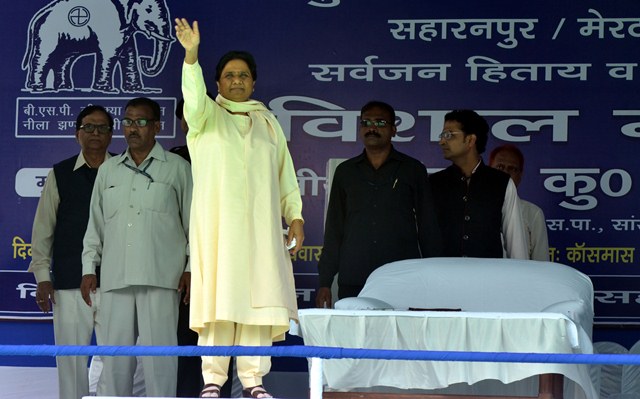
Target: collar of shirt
(80,161)
(480,165)
(157,152)
(393,155)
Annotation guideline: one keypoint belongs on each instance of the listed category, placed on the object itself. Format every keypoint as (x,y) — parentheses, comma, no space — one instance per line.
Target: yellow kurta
(244,183)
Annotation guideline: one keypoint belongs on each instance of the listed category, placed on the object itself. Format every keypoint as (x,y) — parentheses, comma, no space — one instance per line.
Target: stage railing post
(315,378)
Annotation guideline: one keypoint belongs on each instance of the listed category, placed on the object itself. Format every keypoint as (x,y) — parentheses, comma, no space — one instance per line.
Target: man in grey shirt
(138,236)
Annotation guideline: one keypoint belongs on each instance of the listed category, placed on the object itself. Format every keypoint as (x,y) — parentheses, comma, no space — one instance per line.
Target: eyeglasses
(507,168)
(90,128)
(376,123)
(446,135)
(126,122)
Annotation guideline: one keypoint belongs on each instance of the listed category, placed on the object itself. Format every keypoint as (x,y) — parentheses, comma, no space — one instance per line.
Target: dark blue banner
(558,79)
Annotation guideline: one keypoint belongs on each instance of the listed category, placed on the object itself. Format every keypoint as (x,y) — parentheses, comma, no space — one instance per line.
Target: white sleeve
(197,106)
(44,226)
(513,230)
(94,235)
(539,239)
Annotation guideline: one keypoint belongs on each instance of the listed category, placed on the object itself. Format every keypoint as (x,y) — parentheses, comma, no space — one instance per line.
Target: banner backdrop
(557,78)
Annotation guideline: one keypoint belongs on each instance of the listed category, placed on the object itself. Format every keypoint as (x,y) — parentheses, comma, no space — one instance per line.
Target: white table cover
(447,331)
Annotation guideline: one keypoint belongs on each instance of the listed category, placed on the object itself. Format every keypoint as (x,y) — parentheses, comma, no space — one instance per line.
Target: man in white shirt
(508,158)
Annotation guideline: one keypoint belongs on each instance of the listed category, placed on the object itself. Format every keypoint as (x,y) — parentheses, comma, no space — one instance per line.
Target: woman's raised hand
(188,36)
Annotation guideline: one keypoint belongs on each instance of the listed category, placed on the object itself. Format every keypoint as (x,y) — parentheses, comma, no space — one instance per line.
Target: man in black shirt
(380,210)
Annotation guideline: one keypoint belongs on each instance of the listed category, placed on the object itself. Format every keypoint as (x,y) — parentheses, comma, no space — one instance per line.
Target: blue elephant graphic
(66,30)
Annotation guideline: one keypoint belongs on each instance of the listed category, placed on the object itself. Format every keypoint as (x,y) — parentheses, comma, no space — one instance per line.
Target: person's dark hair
(90,110)
(146,102)
(180,108)
(383,106)
(471,123)
(508,148)
(237,55)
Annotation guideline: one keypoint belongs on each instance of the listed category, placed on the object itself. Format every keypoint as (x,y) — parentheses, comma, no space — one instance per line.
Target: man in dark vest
(58,229)
(478,208)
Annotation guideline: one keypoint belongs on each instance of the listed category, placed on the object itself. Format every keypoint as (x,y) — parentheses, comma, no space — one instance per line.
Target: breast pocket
(113,200)
(160,197)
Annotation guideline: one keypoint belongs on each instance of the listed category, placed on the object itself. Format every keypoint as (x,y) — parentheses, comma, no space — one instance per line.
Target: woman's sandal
(256,392)
(210,391)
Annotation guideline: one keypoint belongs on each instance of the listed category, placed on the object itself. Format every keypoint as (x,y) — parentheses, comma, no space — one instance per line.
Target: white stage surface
(42,383)
(28,382)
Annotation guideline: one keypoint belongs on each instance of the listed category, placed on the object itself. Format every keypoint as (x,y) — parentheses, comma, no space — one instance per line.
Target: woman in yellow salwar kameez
(244,184)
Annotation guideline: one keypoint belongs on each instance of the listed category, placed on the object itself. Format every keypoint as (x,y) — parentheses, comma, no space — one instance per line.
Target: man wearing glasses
(477,205)
(58,228)
(380,210)
(137,236)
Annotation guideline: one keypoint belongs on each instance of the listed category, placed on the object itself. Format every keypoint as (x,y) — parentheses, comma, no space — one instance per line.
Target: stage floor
(28,382)
(42,383)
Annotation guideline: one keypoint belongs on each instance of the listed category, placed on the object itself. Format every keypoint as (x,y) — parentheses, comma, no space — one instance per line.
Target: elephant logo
(64,31)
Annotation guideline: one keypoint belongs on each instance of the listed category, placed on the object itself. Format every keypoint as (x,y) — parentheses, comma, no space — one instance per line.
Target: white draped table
(444,331)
